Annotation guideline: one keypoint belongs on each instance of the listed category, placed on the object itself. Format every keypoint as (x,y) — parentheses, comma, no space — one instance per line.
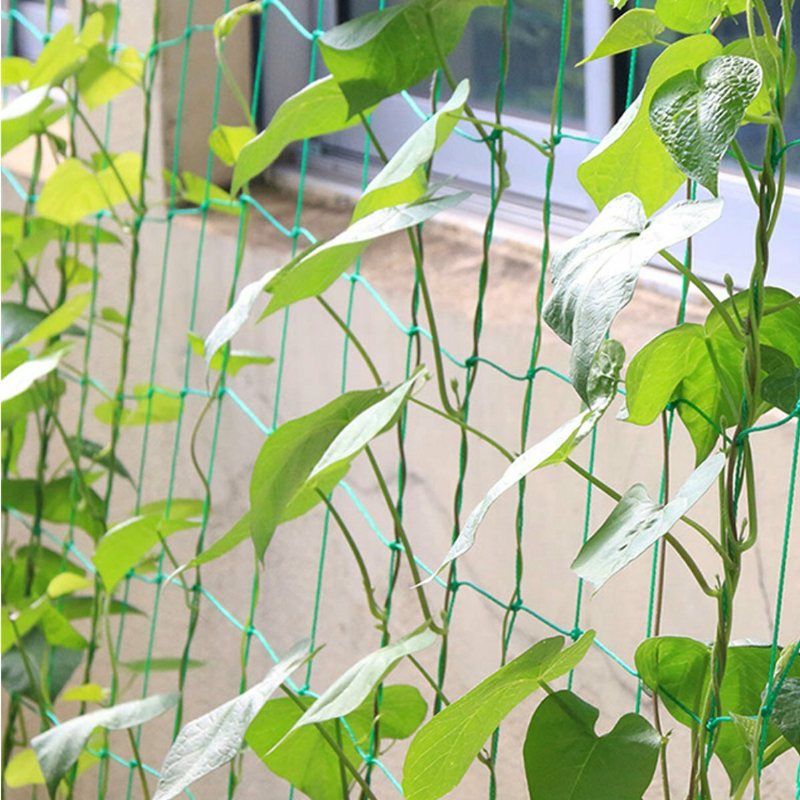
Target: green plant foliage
(688,16)
(197,191)
(59,504)
(226,24)
(380,54)
(553,449)
(700,368)
(238,533)
(637,522)
(354,686)
(23,769)
(679,670)
(696,113)
(211,741)
(306,760)
(631,158)
(30,113)
(315,272)
(443,749)
(635,28)
(760,52)
(21,379)
(781,386)
(58,748)
(128,542)
(304,459)
(566,760)
(155,404)
(105,76)
(99,455)
(318,109)
(595,273)
(73,190)
(227,141)
(144,665)
(236,360)
(52,667)
(403,179)
(786,711)
(59,321)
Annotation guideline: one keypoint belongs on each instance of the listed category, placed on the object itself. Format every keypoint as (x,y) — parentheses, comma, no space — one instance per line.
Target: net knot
(556,139)
(471,361)
(396,546)
(575,634)
(517,605)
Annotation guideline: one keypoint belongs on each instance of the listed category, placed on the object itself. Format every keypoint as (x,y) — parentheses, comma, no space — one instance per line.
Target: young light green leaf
(155,405)
(67,583)
(444,748)
(104,77)
(786,711)
(227,141)
(566,760)
(231,323)
(60,58)
(635,28)
(128,542)
(23,770)
(198,191)
(237,359)
(403,179)
(74,191)
(696,113)
(631,158)
(350,689)
(316,110)
(306,760)
(58,748)
(57,322)
(19,380)
(15,70)
(553,449)
(312,274)
(637,522)
(210,741)
(377,55)
(678,669)
(688,16)
(86,693)
(595,272)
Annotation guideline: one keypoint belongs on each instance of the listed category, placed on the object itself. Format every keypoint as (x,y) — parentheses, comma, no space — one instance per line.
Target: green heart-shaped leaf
(566,760)
(696,114)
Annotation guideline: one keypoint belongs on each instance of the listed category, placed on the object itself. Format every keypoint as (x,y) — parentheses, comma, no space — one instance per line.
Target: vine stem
(705,291)
(406,544)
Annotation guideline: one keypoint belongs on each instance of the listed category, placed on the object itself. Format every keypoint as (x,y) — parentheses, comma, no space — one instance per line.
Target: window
(26,44)
(592,102)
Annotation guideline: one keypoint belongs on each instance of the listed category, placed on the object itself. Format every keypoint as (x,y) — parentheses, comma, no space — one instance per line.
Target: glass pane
(533,66)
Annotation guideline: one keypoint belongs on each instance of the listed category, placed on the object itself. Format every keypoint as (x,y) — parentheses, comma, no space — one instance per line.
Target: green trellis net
(513,607)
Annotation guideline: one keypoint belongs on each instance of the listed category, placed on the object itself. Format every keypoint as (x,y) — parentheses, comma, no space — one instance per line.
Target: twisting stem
(406,544)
